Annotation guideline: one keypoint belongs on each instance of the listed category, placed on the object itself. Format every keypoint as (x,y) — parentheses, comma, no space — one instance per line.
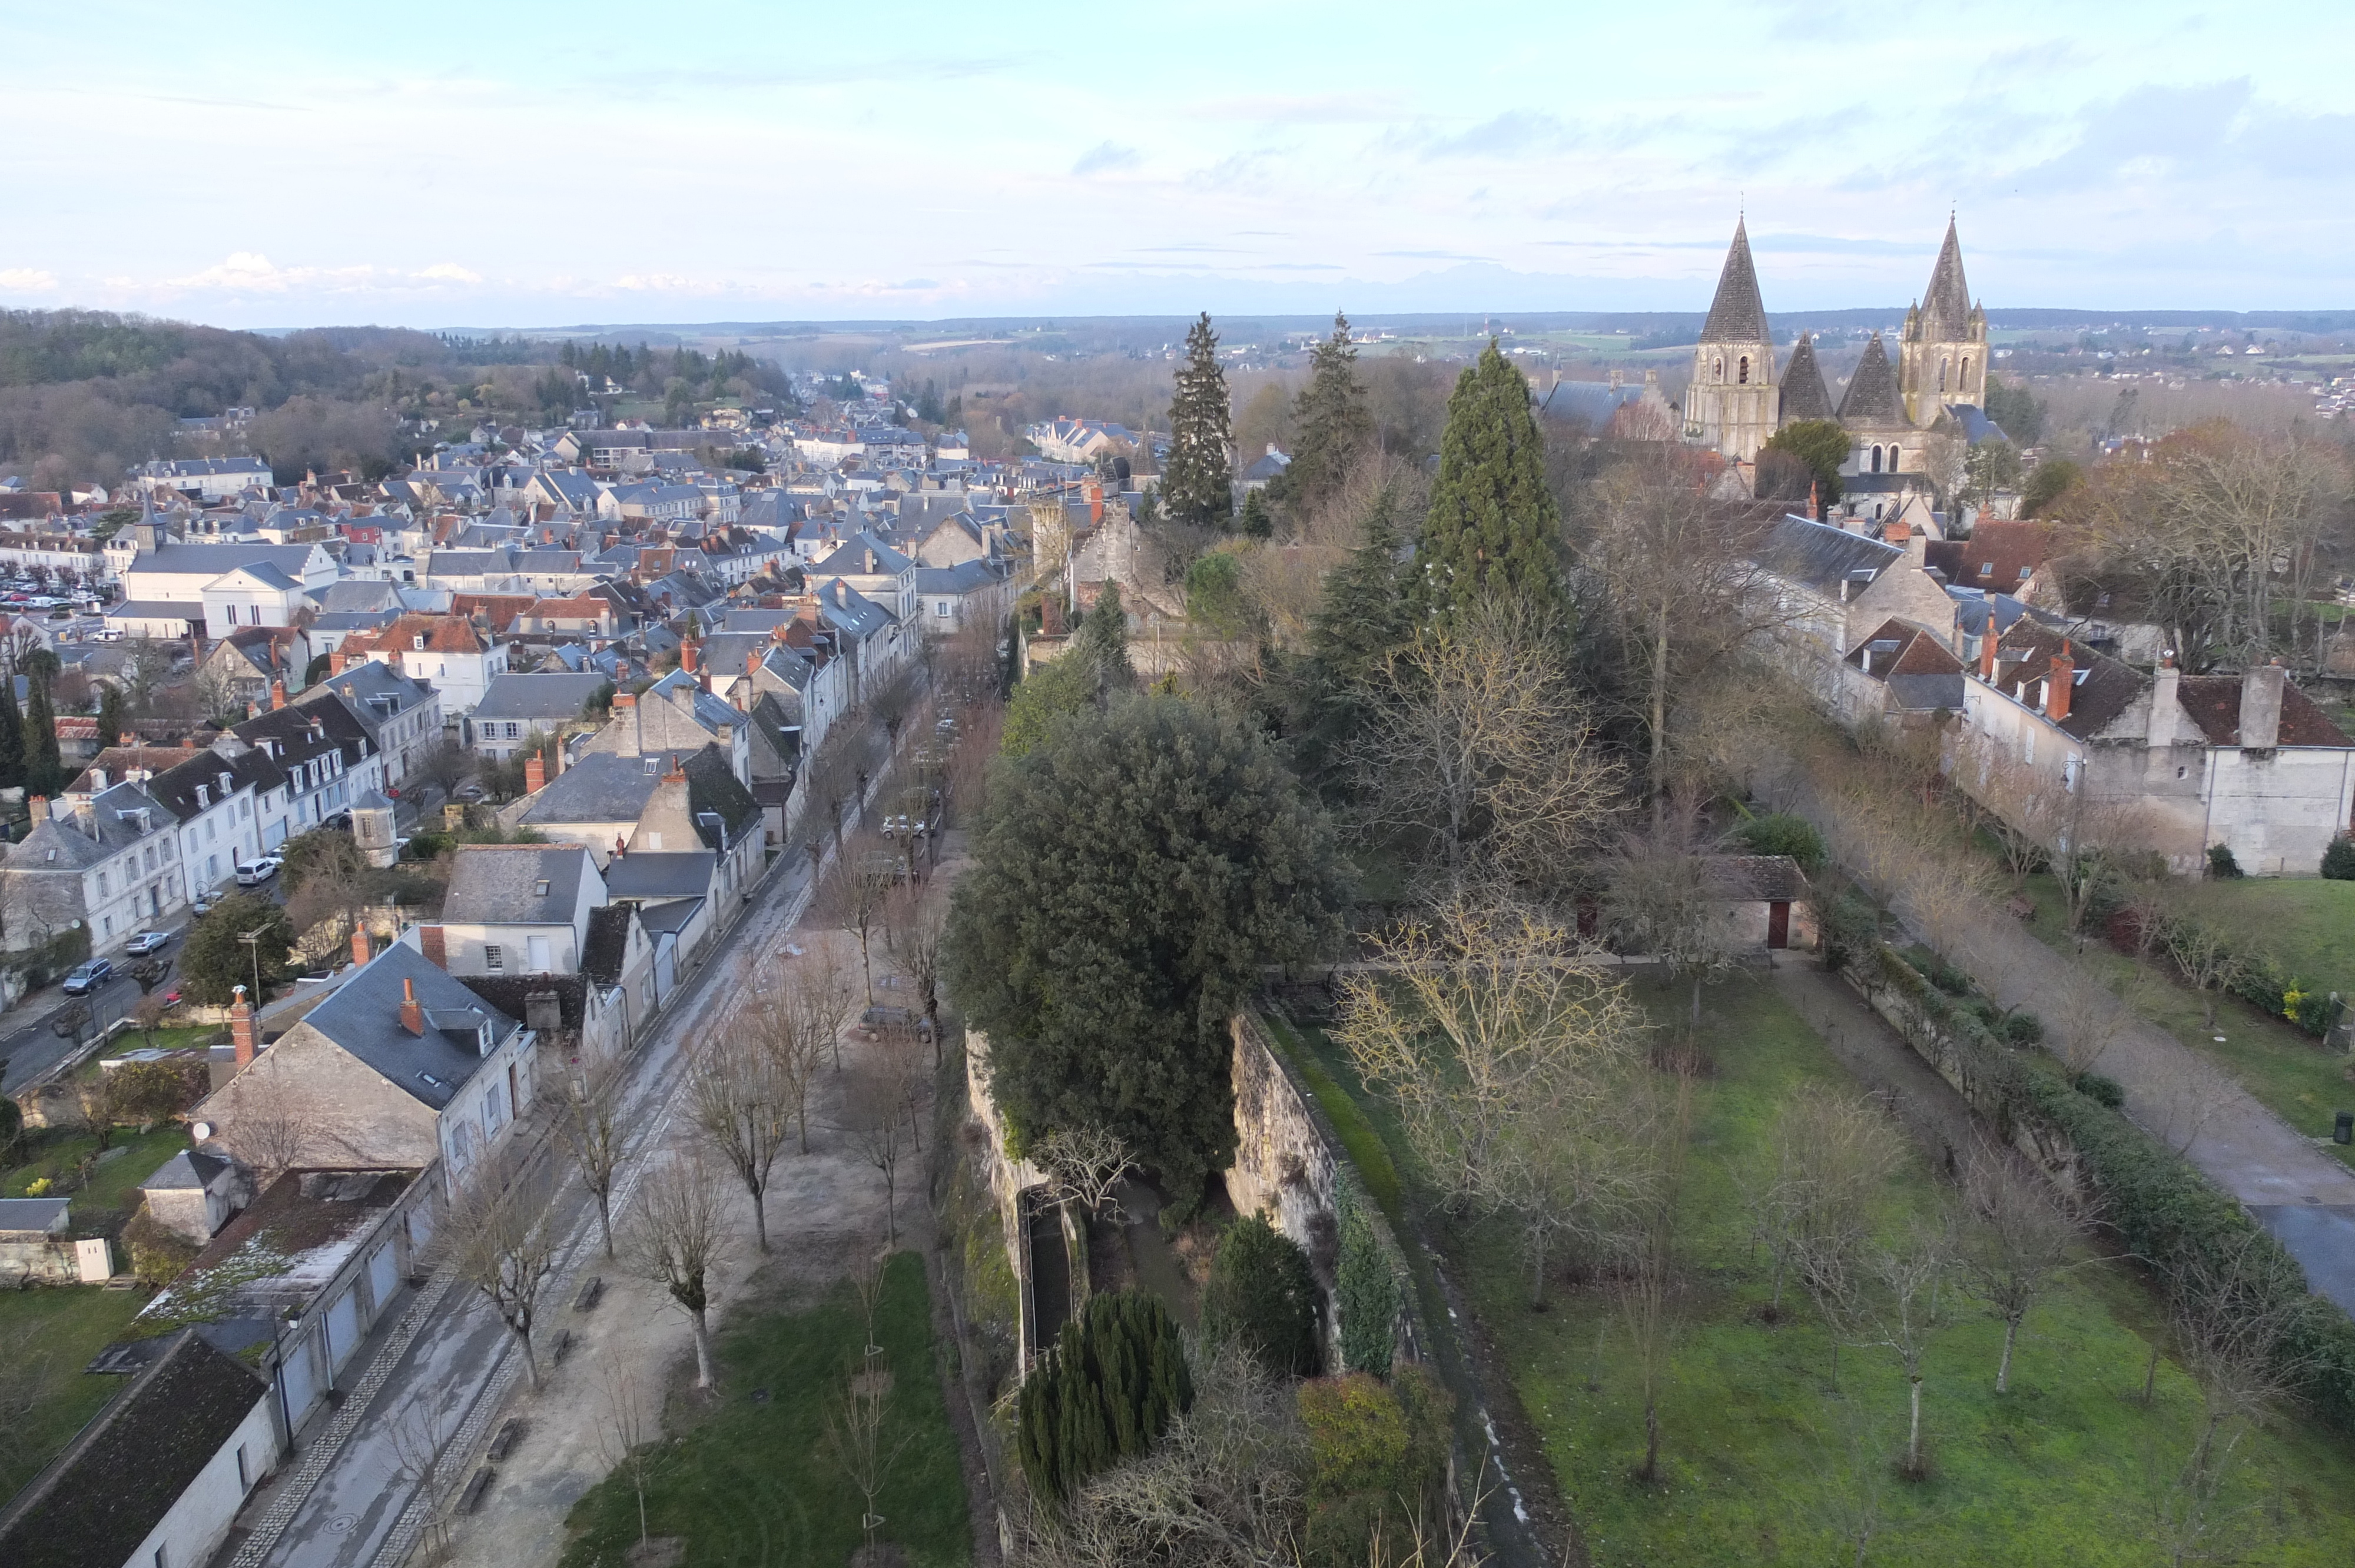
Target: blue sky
(532,164)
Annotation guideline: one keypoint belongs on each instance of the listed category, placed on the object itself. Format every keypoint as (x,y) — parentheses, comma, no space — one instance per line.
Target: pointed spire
(1803,394)
(1946,304)
(1871,396)
(1737,314)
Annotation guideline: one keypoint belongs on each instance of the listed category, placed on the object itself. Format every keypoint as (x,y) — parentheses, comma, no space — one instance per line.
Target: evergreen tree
(111,720)
(1133,874)
(1111,1384)
(1197,484)
(1103,643)
(1493,529)
(1333,422)
(44,770)
(1262,1296)
(12,734)
(1256,521)
(1361,616)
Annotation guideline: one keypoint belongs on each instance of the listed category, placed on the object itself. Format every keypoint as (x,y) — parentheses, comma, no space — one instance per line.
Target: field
(46,1337)
(1770,1456)
(2307,924)
(755,1480)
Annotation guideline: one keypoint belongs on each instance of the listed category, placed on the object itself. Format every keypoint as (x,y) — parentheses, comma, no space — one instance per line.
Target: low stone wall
(48,1260)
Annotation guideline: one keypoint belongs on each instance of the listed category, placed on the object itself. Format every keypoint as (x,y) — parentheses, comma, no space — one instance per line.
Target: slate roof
(363,1017)
(714,791)
(660,874)
(175,786)
(289,728)
(964,577)
(219,560)
(2103,688)
(1822,557)
(1803,391)
(1947,304)
(74,849)
(600,787)
(114,1483)
(37,1214)
(608,946)
(191,1169)
(2214,703)
(372,685)
(1770,878)
(1871,397)
(538,694)
(515,884)
(863,554)
(1737,314)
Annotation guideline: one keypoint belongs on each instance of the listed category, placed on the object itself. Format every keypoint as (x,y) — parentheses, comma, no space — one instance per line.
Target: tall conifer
(1333,423)
(1197,484)
(12,735)
(44,771)
(1493,530)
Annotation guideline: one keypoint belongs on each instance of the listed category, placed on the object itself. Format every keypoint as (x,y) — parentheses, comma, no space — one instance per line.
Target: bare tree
(915,931)
(858,1431)
(1667,898)
(1830,1159)
(2020,1238)
(629,1432)
(873,1103)
(2208,964)
(823,982)
(421,1441)
(1649,1294)
(857,891)
(1898,1311)
(1084,1164)
(786,1026)
(2184,1091)
(270,1125)
(98,1100)
(2090,1018)
(1506,1052)
(675,1237)
(735,1094)
(495,1238)
(589,1127)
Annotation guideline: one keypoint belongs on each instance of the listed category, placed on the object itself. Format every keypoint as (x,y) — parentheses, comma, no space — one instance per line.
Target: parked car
(146,942)
(254,872)
(87,978)
(203,901)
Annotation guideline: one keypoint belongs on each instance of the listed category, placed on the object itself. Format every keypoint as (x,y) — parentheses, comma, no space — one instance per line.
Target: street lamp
(252,940)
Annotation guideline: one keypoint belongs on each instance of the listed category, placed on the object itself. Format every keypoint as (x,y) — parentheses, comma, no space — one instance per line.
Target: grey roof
(40,1214)
(1737,314)
(515,884)
(1976,426)
(157,609)
(863,554)
(1804,395)
(364,1017)
(378,691)
(669,919)
(191,1169)
(74,849)
(357,594)
(1775,878)
(538,694)
(600,787)
(964,578)
(1823,557)
(222,559)
(176,786)
(1871,396)
(1946,305)
(661,874)
(607,950)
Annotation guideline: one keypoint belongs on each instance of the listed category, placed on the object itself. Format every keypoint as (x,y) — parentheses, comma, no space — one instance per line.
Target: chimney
(38,810)
(624,701)
(126,739)
(535,774)
(360,953)
(543,1011)
(2059,684)
(1988,644)
(413,1016)
(687,651)
(338,662)
(241,1027)
(1899,534)
(433,941)
(2260,706)
(2166,701)
(277,694)
(751,664)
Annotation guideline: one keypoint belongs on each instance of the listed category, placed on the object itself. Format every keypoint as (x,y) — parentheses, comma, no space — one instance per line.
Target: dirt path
(1863,1042)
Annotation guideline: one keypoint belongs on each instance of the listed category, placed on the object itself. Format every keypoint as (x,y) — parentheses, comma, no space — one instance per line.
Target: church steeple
(1805,395)
(1731,402)
(1737,314)
(1947,306)
(1943,351)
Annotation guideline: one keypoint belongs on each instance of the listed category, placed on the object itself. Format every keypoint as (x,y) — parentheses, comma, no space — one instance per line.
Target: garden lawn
(2287,1069)
(113,1190)
(49,1334)
(1764,1451)
(755,1482)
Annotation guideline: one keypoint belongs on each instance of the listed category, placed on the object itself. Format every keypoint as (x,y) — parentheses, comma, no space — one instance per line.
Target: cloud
(1104,157)
(1435,255)
(447,273)
(1313,109)
(1512,134)
(251,273)
(27,281)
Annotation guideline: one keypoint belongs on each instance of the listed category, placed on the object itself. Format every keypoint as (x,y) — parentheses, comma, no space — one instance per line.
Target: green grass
(1358,1136)
(52,1333)
(1759,1437)
(114,1188)
(755,1482)
(2285,1069)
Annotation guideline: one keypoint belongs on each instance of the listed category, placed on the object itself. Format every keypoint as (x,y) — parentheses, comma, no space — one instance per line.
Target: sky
(531,164)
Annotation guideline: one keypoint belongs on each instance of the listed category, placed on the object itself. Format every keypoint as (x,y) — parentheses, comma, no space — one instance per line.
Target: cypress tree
(44,771)
(1102,642)
(1359,617)
(1333,423)
(1256,521)
(12,735)
(1493,530)
(1198,486)
(1110,1386)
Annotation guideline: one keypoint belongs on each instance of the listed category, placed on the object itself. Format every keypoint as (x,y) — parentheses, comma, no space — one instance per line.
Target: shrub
(1366,1288)
(158,1256)
(2339,860)
(1783,833)
(1112,1384)
(2022,1029)
(1377,1461)
(1262,1296)
(158,1091)
(2101,1090)
(2222,863)
(1850,926)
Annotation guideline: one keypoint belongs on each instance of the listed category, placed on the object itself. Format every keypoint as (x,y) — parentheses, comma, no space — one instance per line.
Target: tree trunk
(760,1214)
(1659,716)
(1651,1470)
(605,1217)
(1536,1272)
(1914,1437)
(2151,1374)
(703,1378)
(530,1366)
(2003,1367)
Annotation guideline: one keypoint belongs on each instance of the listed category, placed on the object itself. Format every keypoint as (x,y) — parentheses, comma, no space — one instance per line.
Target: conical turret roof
(1737,314)
(1803,394)
(1946,307)
(1871,396)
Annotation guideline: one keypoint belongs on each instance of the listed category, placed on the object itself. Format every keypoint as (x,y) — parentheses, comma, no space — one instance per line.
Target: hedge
(1365,1288)
(2166,1212)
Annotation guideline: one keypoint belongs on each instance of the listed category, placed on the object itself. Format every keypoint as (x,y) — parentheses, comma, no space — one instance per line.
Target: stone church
(1738,397)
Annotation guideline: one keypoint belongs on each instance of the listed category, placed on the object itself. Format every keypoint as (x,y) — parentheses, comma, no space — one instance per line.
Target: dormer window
(540,889)
(418,644)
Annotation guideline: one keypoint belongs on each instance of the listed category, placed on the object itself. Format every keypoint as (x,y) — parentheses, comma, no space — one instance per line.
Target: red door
(1778,924)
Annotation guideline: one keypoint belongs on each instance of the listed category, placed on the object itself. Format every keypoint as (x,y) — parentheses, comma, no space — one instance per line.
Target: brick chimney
(624,701)
(277,694)
(126,739)
(38,810)
(433,941)
(2059,684)
(1988,644)
(241,1027)
(2260,706)
(535,774)
(360,953)
(413,1016)
(686,652)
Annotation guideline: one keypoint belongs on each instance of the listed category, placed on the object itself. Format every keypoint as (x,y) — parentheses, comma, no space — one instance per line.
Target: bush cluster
(1115,1380)
(2260,980)
(1378,1462)
(1262,1296)
(1365,1288)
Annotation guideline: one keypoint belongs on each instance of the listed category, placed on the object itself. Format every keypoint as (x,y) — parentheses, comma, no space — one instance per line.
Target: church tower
(1731,402)
(1942,352)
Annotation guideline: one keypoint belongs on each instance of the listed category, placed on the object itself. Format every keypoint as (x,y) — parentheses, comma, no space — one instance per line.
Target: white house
(323,751)
(110,861)
(446,651)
